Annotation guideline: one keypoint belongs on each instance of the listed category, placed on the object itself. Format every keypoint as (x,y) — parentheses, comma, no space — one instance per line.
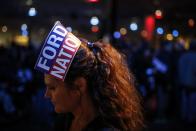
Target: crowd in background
(165,77)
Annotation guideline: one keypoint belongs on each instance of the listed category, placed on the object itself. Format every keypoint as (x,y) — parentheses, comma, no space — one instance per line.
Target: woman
(98,92)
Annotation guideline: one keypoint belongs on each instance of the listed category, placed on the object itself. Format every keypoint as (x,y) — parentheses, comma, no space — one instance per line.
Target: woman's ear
(81,84)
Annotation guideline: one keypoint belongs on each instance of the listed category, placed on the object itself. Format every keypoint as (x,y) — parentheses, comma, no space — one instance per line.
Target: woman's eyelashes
(51,87)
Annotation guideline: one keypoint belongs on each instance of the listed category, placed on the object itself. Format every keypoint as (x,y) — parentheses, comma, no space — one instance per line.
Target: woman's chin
(57,110)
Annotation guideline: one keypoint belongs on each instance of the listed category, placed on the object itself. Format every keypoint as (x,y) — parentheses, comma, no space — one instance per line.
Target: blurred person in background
(187,67)
(187,82)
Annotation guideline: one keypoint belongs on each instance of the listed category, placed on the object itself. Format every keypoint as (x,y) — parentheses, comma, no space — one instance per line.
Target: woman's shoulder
(98,124)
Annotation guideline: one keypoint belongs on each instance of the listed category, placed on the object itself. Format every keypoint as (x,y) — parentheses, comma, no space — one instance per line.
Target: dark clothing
(98,124)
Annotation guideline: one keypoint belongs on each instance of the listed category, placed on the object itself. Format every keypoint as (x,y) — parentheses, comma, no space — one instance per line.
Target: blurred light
(175,33)
(149,71)
(32,12)
(25,33)
(191,22)
(158,14)
(4,28)
(94,21)
(144,33)
(149,26)
(117,35)
(69,29)
(22,40)
(159,65)
(92,1)
(24,27)
(123,31)
(133,26)
(160,30)
(94,28)
(29,2)
(187,44)
(169,37)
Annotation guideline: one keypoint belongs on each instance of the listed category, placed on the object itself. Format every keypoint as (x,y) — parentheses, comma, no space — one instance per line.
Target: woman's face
(62,97)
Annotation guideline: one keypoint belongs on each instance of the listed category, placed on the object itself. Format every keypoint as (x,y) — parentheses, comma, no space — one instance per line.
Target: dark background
(157,62)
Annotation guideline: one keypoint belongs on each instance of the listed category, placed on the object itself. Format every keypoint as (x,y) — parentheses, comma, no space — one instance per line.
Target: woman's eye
(51,88)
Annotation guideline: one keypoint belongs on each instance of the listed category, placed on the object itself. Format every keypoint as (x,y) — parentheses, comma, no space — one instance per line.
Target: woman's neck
(83,115)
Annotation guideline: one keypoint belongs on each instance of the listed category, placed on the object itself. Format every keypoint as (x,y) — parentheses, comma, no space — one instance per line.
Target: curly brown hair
(110,84)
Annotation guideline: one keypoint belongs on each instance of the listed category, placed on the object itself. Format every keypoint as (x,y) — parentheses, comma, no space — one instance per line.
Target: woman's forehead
(50,80)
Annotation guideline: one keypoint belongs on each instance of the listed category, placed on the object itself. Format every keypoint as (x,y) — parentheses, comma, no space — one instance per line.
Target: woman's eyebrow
(50,84)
